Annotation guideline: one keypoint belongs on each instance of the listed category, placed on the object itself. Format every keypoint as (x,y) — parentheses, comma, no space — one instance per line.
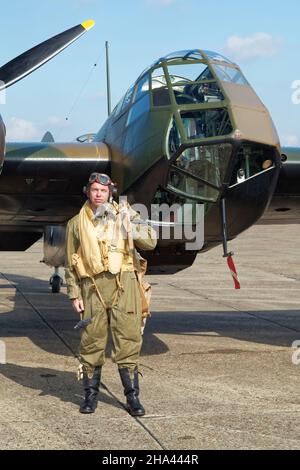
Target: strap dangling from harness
(98,293)
(119,279)
(227,254)
(120,288)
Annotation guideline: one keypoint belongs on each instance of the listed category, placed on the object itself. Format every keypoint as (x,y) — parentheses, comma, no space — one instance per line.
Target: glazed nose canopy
(215,111)
(251,160)
(199,172)
(2,143)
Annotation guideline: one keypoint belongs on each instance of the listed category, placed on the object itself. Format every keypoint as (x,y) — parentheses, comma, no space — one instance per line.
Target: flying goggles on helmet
(101,178)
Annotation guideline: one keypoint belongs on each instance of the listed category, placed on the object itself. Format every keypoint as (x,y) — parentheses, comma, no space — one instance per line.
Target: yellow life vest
(103,247)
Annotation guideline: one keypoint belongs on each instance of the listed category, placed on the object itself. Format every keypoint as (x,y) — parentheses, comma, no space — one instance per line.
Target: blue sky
(262,36)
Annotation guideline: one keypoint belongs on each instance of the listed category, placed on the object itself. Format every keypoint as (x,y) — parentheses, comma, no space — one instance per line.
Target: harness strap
(120,288)
(98,293)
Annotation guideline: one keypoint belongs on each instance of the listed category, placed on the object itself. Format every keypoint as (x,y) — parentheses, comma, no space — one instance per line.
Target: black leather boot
(131,391)
(91,388)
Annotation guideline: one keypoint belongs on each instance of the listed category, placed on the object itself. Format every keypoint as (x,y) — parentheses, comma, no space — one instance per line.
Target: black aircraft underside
(41,201)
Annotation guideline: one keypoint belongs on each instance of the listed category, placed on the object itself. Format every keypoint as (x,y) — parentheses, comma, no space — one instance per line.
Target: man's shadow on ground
(52,382)
(54,314)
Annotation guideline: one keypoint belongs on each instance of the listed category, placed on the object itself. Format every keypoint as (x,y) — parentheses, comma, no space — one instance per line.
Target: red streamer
(233,272)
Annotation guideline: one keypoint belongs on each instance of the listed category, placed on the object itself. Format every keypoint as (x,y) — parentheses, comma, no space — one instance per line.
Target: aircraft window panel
(216,56)
(206,164)
(251,160)
(139,108)
(161,96)
(118,107)
(191,186)
(142,88)
(127,98)
(206,123)
(173,139)
(206,75)
(159,82)
(187,55)
(175,55)
(159,72)
(194,55)
(160,92)
(198,93)
(230,74)
(189,72)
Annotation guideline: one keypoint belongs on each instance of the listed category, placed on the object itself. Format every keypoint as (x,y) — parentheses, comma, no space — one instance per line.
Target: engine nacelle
(2,142)
(54,245)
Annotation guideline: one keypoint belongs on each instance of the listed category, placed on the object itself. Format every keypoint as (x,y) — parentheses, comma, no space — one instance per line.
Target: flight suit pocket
(92,303)
(132,302)
(127,314)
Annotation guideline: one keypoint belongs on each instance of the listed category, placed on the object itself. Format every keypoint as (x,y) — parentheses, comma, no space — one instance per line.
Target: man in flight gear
(103,276)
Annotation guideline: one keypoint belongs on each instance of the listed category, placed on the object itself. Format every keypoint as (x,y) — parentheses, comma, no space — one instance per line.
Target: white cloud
(252,47)
(20,129)
(290,140)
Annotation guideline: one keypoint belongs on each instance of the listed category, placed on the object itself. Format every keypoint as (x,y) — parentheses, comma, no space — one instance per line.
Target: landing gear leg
(228,254)
(56,281)
(224,229)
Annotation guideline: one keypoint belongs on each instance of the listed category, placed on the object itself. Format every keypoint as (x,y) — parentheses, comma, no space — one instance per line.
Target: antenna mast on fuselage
(108,80)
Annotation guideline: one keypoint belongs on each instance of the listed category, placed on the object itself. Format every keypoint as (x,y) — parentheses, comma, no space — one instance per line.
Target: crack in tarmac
(55,332)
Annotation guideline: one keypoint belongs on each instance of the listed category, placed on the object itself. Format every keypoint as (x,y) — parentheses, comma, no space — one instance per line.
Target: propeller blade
(34,58)
(2,143)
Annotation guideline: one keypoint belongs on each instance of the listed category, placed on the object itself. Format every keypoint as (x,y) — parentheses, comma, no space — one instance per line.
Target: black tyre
(55,282)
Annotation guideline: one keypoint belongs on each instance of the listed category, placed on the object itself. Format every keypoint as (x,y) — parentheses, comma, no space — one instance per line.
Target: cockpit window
(158,78)
(186,55)
(141,100)
(192,83)
(141,88)
(251,160)
(160,92)
(200,171)
(117,109)
(198,93)
(187,72)
(230,74)
(127,98)
(206,123)
(215,56)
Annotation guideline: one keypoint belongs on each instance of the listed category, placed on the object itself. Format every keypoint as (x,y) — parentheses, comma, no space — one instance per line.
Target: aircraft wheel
(56,282)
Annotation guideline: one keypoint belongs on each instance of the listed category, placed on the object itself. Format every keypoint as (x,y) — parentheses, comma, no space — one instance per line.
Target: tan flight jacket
(75,271)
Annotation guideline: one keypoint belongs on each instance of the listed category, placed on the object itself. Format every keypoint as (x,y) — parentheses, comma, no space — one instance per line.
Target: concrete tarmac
(217,363)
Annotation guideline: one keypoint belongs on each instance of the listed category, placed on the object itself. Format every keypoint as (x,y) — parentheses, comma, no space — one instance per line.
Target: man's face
(98,194)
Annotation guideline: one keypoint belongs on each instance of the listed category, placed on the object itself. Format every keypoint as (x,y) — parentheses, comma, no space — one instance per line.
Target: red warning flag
(231,266)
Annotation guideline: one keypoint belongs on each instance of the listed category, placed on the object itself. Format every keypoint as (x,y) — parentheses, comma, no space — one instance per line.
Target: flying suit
(101,269)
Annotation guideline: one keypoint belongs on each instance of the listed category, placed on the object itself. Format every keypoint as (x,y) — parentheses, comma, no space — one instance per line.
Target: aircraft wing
(42,182)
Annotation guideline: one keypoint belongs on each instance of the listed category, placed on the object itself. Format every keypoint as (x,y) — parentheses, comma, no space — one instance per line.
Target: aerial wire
(80,93)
